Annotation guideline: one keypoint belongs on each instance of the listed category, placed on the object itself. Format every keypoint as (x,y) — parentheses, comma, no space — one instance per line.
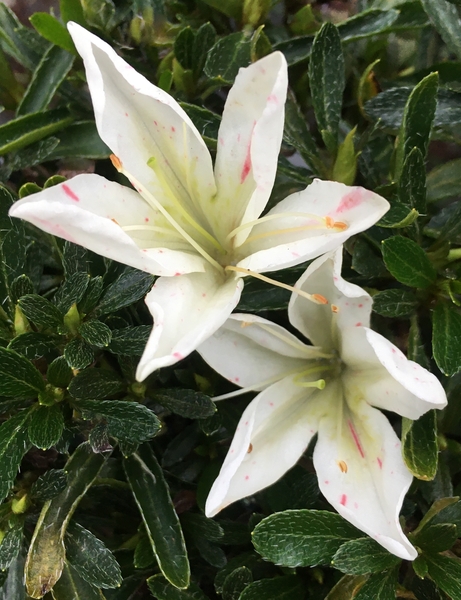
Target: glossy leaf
(163,590)
(363,556)
(419,445)
(445,19)
(128,288)
(446,573)
(446,338)
(187,403)
(278,588)
(380,586)
(18,376)
(395,303)
(14,443)
(71,586)
(46,425)
(95,383)
(408,262)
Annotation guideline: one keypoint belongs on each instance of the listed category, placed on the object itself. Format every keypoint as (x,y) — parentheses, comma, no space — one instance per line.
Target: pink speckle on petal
(360,305)
(247,477)
(380,462)
(246,422)
(273,99)
(70,193)
(246,165)
(173,129)
(177,355)
(236,379)
(146,219)
(343,500)
(356,505)
(177,274)
(327,482)
(271,404)
(356,439)
(358,324)
(350,200)
(126,114)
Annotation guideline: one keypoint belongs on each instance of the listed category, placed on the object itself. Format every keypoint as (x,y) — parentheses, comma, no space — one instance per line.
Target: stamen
(319,384)
(151,228)
(240,228)
(298,345)
(316,298)
(258,236)
(156,204)
(342,466)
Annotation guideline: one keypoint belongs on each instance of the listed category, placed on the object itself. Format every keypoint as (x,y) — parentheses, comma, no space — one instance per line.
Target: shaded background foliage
(103,479)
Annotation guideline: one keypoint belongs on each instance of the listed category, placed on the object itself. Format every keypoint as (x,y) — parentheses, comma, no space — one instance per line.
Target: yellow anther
(334,308)
(342,466)
(116,162)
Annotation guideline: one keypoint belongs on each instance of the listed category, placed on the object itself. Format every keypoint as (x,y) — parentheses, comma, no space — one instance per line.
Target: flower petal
(91,211)
(249,142)
(348,304)
(334,212)
(186,311)
(272,434)
(139,121)
(381,374)
(362,474)
(249,351)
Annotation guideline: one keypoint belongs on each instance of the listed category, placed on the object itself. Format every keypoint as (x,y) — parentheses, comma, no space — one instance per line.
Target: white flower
(197,227)
(331,389)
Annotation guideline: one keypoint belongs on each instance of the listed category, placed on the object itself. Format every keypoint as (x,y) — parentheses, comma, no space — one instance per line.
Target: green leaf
(74,259)
(33,345)
(152,496)
(412,183)
(231,8)
(363,556)
(444,181)
(297,538)
(14,443)
(78,354)
(345,167)
(23,44)
(126,289)
(130,341)
(71,586)
(162,590)
(46,425)
(235,583)
(52,30)
(96,333)
(187,403)
(445,19)
(418,118)
(10,545)
(79,140)
(365,24)
(381,586)
(92,295)
(25,130)
(92,560)
(21,286)
(278,588)
(125,420)
(419,445)
(446,572)
(59,373)
(297,134)
(227,56)
(408,262)
(191,47)
(395,303)
(47,78)
(99,13)
(95,383)
(436,537)
(40,311)
(71,10)
(327,81)
(71,291)
(49,485)
(46,555)
(18,376)
(446,338)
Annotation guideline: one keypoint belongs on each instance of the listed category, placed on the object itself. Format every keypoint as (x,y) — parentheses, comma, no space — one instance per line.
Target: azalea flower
(333,389)
(196,226)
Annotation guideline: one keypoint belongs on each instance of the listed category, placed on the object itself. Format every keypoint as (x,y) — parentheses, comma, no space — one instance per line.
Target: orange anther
(244,324)
(329,222)
(340,225)
(114,221)
(334,308)
(116,162)
(250,448)
(343,466)
(319,299)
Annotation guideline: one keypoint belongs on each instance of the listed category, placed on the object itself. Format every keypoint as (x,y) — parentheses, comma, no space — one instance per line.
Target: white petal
(139,121)
(362,474)
(249,142)
(272,434)
(90,211)
(249,350)
(186,311)
(381,373)
(348,304)
(356,207)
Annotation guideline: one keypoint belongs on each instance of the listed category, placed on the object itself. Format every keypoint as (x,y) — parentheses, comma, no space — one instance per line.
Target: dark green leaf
(452,226)
(96,333)
(418,118)
(23,45)
(207,122)
(48,76)
(71,291)
(278,588)
(10,546)
(446,338)
(92,560)
(363,556)
(297,134)
(235,583)
(21,286)
(445,19)
(14,443)
(130,341)
(59,373)
(408,262)
(99,13)
(80,140)
(18,376)
(436,537)
(71,586)
(143,555)
(444,181)
(46,425)
(49,485)
(152,496)
(162,590)
(205,38)
(95,383)
(187,403)
(92,295)
(412,183)
(78,354)
(74,259)
(446,572)
(71,10)
(127,289)
(52,30)
(327,81)
(302,537)
(380,586)
(395,303)
(227,56)
(40,311)
(419,445)
(25,130)
(33,345)
(125,420)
